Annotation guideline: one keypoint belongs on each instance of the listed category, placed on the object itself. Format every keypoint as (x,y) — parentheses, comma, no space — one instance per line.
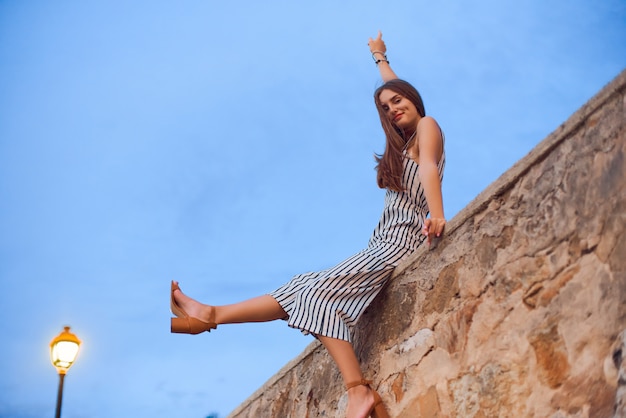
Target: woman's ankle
(360,401)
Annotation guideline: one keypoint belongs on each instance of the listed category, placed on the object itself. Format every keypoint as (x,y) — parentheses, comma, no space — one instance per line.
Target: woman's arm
(430,150)
(379,50)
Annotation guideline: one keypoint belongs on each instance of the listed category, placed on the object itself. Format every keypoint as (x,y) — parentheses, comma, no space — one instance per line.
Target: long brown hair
(389,165)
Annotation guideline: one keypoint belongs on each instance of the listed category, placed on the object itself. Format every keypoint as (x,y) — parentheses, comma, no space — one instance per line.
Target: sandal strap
(362,382)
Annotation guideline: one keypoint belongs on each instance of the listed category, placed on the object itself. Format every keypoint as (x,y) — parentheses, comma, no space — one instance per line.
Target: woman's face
(400,110)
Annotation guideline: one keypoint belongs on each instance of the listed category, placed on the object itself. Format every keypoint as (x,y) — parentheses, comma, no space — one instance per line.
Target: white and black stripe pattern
(329,302)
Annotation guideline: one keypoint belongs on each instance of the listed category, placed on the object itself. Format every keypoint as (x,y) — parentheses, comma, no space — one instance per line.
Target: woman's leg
(360,398)
(259,309)
(266,308)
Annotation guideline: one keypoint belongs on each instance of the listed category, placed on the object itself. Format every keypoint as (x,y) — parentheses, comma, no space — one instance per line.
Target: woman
(327,304)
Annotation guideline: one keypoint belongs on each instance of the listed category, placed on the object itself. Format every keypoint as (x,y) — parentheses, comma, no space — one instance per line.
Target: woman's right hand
(377,45)
(379,53)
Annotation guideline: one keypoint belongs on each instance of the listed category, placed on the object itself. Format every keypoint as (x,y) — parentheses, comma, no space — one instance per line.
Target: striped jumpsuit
(329,302)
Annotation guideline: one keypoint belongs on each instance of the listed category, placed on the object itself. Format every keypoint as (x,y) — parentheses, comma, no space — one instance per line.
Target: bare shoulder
(430,140)
(428,131)
(428,124)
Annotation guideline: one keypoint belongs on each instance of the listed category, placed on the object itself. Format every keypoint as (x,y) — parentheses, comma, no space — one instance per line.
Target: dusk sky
(229,146)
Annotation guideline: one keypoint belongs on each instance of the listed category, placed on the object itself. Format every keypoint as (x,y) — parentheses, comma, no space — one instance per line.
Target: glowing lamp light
(63,350)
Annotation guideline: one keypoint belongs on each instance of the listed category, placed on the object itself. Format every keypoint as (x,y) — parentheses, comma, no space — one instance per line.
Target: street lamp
(63,352)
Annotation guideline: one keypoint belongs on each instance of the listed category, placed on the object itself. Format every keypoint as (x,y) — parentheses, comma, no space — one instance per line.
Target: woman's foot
(192,317)
(192,307)
(360,402)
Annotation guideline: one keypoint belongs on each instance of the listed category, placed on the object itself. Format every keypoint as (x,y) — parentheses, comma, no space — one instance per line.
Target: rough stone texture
(518,312)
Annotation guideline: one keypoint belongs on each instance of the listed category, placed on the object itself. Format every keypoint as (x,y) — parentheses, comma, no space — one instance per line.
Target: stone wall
(518,312)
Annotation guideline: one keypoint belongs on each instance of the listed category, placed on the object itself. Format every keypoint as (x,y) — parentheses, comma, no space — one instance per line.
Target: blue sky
(230,146)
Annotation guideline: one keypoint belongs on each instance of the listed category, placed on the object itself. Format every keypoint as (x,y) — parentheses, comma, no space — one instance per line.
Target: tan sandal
(185,324)
(378,409)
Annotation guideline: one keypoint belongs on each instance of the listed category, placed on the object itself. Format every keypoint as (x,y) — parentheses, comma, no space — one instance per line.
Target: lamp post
(63,352)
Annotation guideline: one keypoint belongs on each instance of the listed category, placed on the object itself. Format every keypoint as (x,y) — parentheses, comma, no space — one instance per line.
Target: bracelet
(378,60)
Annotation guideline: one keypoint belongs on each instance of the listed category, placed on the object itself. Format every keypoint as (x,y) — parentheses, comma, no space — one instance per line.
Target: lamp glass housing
(63,350)
(64,353)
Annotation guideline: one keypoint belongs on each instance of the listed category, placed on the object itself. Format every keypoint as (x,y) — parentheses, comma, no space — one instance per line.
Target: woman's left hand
(433,227)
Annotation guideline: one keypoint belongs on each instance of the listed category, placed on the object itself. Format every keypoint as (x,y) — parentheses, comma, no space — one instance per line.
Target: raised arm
(379,54)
